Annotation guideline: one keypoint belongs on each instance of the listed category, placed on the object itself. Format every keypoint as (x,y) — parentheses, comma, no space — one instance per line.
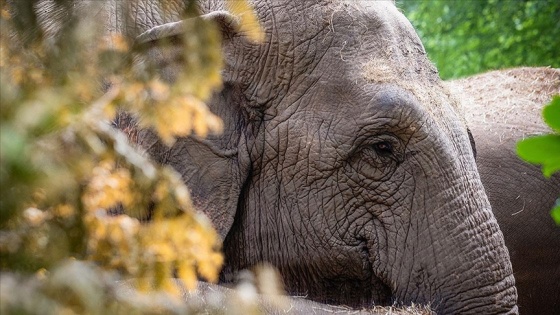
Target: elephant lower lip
(381,294)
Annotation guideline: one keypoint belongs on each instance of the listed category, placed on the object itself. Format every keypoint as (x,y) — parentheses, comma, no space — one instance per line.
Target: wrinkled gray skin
(344,162)
(501,108)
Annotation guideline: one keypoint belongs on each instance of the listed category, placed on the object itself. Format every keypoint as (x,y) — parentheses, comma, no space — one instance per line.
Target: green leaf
(551,113)
(555,212)
(543,150)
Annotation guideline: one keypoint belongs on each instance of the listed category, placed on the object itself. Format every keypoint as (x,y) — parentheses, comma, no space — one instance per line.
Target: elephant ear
(215,168)
(227,22)
(162,49)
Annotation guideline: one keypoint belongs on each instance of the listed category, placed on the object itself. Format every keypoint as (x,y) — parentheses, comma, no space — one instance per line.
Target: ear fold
(225,20)
(216,168)
(161,49)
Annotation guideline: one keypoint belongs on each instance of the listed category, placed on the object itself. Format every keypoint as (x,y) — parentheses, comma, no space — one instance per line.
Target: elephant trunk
(455,257)
(478,276)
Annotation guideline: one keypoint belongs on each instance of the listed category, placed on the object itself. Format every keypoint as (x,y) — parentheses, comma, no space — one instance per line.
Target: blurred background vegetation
(467,37)
(75,192)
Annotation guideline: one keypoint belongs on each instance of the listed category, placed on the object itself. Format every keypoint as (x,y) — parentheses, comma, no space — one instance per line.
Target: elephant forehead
(371,28)
(371,43)
(378,46)
(413,79)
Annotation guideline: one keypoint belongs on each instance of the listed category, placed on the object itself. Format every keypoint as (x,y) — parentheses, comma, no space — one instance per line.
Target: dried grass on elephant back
(524,90)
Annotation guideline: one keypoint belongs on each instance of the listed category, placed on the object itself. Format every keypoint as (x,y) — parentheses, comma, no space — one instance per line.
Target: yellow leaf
(34,216)
(41,274)
(200,124)
(159,90)
(209,269)
(142,284)
(117,42)
(169,286)
(5,14)
(108,186)
(249,24)
(64,211)
(187,274)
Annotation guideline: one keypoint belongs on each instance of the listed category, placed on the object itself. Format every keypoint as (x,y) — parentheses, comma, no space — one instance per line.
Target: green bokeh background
(464,37)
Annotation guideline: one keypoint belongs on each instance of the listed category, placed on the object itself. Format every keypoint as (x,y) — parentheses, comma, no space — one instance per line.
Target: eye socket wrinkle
(382,151)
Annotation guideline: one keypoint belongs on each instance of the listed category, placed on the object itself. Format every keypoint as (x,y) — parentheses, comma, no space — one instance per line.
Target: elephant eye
(377,157)
(383,147)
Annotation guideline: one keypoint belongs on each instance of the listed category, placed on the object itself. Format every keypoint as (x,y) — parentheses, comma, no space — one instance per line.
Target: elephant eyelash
(381,151)
(383,147)
(388,147)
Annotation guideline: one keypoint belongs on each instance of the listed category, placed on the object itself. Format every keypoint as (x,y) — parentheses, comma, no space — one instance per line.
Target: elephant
(501,108)
(344,161)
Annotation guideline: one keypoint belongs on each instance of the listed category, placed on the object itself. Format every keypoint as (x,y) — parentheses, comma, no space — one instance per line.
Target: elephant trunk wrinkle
(479,300)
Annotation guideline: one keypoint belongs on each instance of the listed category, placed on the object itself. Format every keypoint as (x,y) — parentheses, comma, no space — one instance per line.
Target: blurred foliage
(468,37)
(63,167)
(545,150)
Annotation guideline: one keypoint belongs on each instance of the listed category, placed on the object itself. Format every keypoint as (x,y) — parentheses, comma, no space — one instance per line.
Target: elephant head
(343,161)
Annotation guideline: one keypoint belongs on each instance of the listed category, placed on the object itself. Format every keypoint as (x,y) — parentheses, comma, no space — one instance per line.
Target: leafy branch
(64,169)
